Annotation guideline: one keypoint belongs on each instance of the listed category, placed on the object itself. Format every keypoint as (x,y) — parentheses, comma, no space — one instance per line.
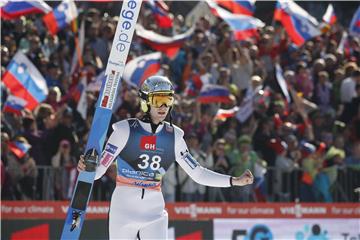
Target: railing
(276,186)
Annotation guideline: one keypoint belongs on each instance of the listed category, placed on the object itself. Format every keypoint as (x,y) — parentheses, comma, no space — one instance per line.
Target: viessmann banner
(190,211)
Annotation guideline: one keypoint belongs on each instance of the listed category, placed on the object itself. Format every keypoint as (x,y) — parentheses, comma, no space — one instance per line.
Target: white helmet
(156,91)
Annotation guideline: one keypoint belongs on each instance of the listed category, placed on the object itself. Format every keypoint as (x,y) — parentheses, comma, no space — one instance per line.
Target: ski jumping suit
(142,158)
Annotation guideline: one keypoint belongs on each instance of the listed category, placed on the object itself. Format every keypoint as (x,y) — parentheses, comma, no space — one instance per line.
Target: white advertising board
(287,229)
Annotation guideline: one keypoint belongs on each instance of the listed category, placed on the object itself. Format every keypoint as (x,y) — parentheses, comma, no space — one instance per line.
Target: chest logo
(148,143)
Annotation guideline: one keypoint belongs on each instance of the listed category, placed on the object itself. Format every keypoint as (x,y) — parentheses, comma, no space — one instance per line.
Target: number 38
(155,162)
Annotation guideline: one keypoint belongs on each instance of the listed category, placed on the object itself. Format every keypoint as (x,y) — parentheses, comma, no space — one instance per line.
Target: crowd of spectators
(305,149)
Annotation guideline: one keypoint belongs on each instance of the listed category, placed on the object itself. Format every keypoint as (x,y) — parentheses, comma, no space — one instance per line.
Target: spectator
(191,191)
(64,164)
(327,174)
(221,165)
(284,166)
(323,92)
(243,158)
(347,90)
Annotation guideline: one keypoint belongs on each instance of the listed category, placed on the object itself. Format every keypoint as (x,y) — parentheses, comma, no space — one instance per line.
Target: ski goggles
(159,99)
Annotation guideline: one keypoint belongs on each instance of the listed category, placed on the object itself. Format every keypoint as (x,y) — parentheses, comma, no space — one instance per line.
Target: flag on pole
(299,24)
(61,16)
(79,48)
(24,81)
(82,103)
(168,45)
(15,9)
(245,7)
(246,109)
(344,47)
(242,26)
(140,68)
(355,23)
(329,16)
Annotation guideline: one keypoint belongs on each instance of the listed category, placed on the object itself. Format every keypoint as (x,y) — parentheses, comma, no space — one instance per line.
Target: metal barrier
(276,186)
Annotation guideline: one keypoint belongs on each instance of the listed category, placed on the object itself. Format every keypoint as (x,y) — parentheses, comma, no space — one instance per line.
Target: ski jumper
(137,207)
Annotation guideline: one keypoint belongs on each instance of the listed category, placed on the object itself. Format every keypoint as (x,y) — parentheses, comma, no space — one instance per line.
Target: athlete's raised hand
(245,179)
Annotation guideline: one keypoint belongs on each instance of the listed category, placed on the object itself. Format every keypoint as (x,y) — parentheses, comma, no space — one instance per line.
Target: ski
(114,69)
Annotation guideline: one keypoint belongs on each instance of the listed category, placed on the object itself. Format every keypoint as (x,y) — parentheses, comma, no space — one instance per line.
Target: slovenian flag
(61,16)
(14,104)
(238,6)
(140,68)
(299,24)
(329,16)
(211,93)
(161,13)
(24,81)
(19,148)
(168,45)
(355,24)
(243,26)
(16,9)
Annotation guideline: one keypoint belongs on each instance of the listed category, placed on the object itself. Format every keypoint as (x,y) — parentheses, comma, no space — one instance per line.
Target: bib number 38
(154,163)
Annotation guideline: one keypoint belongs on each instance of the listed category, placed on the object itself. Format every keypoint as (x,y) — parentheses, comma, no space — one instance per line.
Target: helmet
(156,91)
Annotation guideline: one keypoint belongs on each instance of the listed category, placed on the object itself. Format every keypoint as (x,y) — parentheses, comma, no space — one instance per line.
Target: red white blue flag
(16,9)
(24,81)
(329,16)
(61,16)
(14,104)
(299,24)
(140,68)
(355,24)
(211,93)
(168,45)
(243,26)
(238,6)
(19,148)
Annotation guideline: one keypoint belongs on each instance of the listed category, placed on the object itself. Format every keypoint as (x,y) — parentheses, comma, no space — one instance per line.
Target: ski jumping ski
(108,94)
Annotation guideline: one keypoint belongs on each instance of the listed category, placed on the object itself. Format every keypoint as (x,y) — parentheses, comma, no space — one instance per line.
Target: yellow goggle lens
(158,100)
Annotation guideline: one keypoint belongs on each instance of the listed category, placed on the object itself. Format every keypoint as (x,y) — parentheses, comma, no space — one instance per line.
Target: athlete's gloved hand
(81,164)
(245,179)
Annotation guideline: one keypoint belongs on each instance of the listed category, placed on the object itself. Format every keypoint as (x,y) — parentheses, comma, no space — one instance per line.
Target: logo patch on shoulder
(110,148)
(148,143)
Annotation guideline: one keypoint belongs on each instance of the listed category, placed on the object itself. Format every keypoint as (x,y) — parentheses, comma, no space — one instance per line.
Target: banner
(289,229)
(45,229)
(189,211)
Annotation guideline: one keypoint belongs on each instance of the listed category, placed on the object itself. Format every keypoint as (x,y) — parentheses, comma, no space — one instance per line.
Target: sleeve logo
(190,160)
(110,148)
(106,159)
